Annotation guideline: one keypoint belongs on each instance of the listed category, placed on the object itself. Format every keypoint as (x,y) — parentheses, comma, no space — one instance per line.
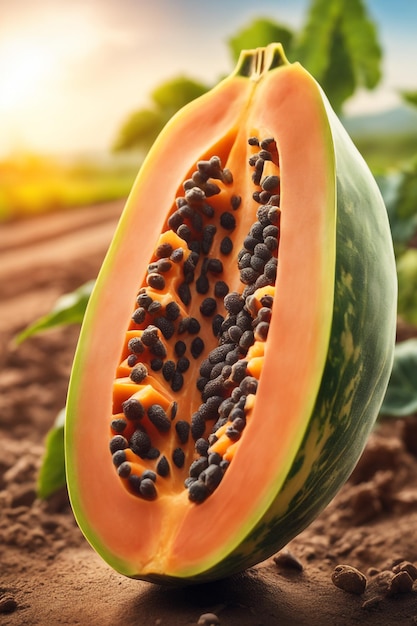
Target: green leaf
(314,42)
(339,46)
(172,95)
(69,309)
(401,396)
(338,79)
(406,205)
(362,42)
(393,188)
(51,475)
(407,286)
(399,191)
(259,33)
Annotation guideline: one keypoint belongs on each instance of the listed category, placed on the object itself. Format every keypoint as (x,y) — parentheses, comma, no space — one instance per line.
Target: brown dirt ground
(49,574)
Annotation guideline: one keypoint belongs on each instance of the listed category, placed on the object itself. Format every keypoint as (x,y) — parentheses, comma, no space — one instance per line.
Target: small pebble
(349,579)
(8,604)
(400,583)
(406,566)
(372,603)
(208,619)
(286,559)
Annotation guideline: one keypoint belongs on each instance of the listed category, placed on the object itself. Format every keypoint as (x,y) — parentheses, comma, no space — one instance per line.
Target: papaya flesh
(238,343)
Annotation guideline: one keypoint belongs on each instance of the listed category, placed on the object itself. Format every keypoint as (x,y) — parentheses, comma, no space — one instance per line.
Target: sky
(71,71)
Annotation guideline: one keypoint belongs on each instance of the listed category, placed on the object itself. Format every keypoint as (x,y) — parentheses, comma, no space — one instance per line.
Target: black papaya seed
(159,418)
(140,442)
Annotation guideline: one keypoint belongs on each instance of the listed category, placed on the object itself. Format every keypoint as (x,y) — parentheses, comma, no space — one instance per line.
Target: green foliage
(406,205)
(399,191)
(140,130)
(33,185)
(400,195)
(143,126)
(259,33)
(339,46)
(401,397)
(69,309)
(407,286)
(410,97)
(51,475)
(172,95)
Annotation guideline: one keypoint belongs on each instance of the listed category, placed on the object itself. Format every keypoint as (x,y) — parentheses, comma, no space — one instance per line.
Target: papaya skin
(326,361)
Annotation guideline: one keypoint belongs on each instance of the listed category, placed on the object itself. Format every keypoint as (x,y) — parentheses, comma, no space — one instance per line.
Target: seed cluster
(163,340)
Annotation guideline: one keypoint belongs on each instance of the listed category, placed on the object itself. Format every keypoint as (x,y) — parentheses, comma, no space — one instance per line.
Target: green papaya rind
(358,365)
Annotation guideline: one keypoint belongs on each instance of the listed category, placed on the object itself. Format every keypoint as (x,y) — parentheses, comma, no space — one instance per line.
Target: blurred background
(86,85)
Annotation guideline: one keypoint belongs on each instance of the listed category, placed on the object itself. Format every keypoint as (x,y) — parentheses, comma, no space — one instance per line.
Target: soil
(48,572)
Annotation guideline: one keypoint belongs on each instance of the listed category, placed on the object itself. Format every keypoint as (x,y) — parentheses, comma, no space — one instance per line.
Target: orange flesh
(176,537)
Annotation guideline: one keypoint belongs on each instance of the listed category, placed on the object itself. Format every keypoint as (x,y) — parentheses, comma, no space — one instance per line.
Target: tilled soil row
(356,563)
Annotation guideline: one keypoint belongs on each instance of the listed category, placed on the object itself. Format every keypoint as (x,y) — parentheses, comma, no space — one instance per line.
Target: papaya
(239,339)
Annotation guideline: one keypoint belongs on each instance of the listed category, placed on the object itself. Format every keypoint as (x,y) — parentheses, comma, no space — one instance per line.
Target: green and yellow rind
(358,364)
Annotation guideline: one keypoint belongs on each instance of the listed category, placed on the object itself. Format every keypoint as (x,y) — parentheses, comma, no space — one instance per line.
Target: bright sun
(38,59)
(23,68)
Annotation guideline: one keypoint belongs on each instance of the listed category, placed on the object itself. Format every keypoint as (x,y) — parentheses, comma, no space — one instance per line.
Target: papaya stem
(255,63)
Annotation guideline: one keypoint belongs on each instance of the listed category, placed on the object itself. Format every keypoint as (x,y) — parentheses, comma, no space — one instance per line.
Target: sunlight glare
(37,58)
(23,68)
(32,58)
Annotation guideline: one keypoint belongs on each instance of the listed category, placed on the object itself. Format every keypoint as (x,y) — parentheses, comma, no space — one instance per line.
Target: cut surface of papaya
(238,343)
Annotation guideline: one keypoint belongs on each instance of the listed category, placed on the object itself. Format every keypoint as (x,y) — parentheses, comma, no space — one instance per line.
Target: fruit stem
(255,63)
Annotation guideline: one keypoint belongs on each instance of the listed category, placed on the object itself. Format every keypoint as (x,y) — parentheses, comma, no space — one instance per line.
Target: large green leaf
(401,395)
(69,309)
(51,475)
(362,42)
(339,77)
(339,46)
(259,33)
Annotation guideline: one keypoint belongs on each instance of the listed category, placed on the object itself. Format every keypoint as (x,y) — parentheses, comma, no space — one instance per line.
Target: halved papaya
(239,339)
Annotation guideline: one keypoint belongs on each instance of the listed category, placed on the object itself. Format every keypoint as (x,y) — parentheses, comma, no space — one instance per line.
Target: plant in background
(338,45)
